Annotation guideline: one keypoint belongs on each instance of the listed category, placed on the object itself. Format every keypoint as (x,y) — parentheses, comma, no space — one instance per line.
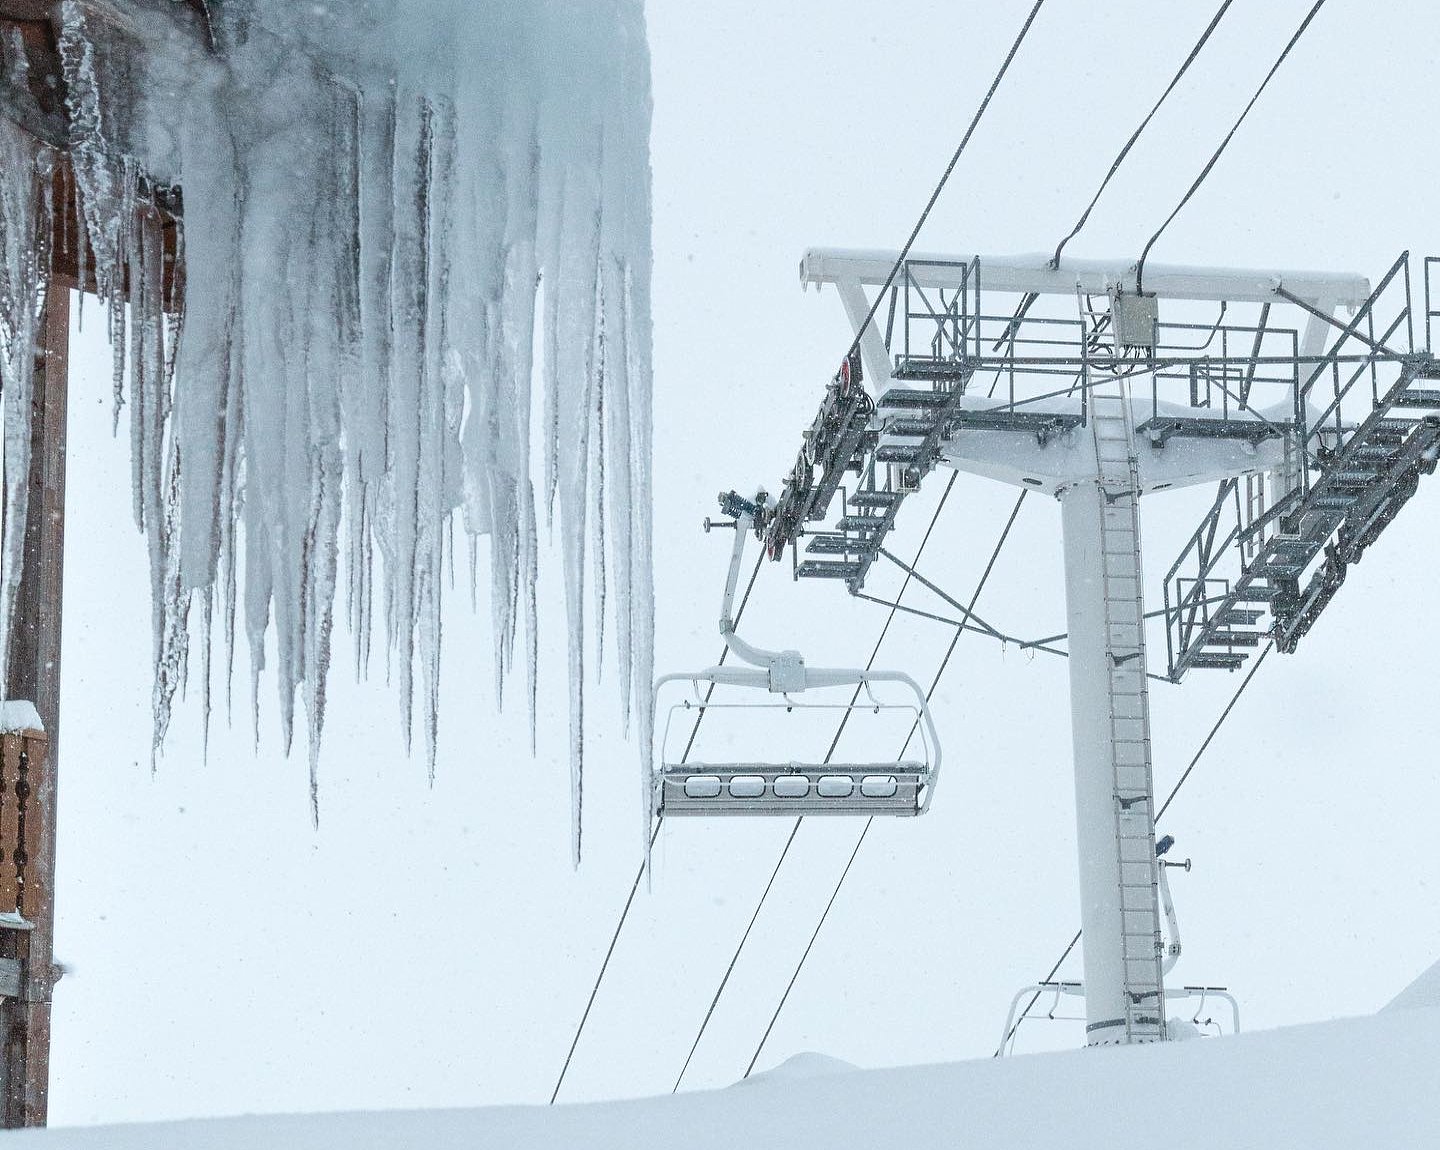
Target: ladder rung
(912,398)
(874,498)
(819,569)
(1355,475)
(1257,593)
(1280,570)
(1213,660)
(1233,639)
(839,545)
(915,428)
(1418,397)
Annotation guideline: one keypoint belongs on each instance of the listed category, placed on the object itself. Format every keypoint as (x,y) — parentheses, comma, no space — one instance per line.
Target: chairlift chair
(682,787)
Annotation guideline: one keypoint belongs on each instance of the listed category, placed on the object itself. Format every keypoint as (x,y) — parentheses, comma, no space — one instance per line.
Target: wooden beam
(33,95)
(38,107)
(69,241)
(34,674)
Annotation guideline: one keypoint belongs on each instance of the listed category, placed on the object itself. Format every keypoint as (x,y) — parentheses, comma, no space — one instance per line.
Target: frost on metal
(387,209)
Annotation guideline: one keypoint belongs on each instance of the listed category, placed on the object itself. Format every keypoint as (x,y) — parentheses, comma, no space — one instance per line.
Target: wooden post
(34,674)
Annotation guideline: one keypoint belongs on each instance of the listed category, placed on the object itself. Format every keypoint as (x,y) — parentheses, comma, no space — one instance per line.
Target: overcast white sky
(434,948)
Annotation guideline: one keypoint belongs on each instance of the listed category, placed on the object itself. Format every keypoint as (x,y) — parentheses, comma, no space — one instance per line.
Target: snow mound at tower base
(1328,1086)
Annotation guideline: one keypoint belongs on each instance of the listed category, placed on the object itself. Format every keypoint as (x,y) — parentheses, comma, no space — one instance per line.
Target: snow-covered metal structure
(1097,386)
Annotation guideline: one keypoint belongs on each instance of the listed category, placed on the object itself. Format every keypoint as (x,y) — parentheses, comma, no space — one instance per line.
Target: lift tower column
(1110,722)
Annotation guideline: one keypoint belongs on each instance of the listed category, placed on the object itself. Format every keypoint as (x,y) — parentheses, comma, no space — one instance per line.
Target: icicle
(367,246)
(95,164)
(21,298)
(368,402)
(410,287)
(207,623)
(597,475)
(82,249)
(621,481)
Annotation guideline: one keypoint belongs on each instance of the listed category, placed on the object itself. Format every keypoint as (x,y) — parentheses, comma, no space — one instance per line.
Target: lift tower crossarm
(1033,274)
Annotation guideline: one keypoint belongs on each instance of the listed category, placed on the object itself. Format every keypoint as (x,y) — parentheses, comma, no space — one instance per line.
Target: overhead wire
(1027,301)
(794,830)
(1024,306)
(734,958)
(909,243)
(945,176)
(854,346)
(795,974)
(865,830)
(1165,806)
(1230,135)
(639,874)
(1145,123)
(890,278)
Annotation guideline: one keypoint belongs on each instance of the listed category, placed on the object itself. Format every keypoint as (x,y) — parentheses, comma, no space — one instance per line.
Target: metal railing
(944,335)
(1343,439)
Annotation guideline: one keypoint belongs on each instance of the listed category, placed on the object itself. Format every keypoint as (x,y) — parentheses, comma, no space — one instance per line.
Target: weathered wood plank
(34,673)
(38,829)
(9,821)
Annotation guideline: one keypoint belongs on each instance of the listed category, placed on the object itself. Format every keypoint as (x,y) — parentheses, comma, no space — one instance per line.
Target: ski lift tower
(1099,386)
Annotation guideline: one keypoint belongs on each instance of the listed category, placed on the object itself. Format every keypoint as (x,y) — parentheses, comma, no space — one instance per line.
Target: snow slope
(1359,1081)
(1423,993)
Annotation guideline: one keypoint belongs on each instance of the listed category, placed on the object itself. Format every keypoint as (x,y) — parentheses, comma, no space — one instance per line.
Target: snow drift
(1329,1086)
(386,209)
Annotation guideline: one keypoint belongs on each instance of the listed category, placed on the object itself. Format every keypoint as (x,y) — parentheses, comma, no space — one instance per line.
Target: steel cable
(1023,307)
(865,830)
(945,176)
(639,874)
(1145,123)
(1027,301)
(859,332)
(834,742)
(1214,159)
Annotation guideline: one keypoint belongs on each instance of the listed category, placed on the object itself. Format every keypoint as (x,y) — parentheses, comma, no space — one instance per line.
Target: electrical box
(1134,318)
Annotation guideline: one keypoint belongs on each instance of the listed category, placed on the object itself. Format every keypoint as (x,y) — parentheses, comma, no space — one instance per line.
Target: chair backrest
(765,784)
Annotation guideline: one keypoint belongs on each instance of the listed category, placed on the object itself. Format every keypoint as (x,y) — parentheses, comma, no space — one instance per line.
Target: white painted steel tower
(1097,410)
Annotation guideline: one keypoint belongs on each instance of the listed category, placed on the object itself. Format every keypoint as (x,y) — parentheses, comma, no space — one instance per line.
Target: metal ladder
(1129,698)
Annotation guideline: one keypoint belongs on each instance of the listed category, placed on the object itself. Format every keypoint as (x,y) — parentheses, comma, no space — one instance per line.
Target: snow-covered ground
(1358,1081)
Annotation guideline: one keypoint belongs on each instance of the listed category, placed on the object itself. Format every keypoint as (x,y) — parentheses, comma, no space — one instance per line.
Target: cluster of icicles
(370,256)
